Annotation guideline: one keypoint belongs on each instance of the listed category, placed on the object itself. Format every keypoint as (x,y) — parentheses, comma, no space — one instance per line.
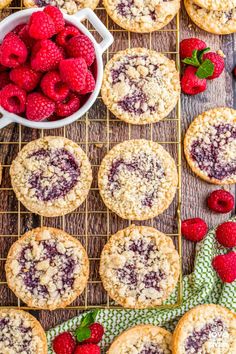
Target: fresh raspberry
(69,106)
(220,201)
(4,79)
(2,67)
(89,83)
(13,51)
(87,349)
(226,234)
(188,45)
(25,77)
(18,28)
(194,229)
(97,332)
(64,343)
(225,266)
(218,62)
(66,34)
(39,107)
(25,37)
(53,87)
(73,73)
(190,83)
(41,26)
(81,46)
(13,99)
(45,56)
(234,72)
(56,16)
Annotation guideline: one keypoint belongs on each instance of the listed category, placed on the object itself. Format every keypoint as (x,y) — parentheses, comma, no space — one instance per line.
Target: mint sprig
(205,67)
(83,332)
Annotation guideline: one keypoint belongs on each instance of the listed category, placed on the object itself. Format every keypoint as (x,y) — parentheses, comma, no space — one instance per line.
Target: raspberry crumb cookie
(139,267)
(210,146)
(47,268)
(51,176)
(206,329)
(137,179)
(217,22)
(142,339)
(4,3)
(68,6)
(21,333)
(142,16)
(140,86)
(216,5)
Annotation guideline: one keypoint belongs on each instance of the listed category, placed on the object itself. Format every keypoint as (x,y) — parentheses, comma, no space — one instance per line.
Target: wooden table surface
(194,191)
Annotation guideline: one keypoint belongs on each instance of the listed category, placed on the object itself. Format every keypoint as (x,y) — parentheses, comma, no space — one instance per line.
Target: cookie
(51,176)
(142,16)
(21,333)
(216,5)
(140,86)
(142,339)
(47,268)
(68,6)
(210,146)
(137,179)
(206,329)
(139,267)
(217,22)
(4,3)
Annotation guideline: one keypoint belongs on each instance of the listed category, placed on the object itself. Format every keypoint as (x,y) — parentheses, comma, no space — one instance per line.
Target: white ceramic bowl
(10,22)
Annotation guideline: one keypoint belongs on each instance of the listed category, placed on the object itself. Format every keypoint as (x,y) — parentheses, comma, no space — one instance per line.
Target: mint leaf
(193,60)
(205,70)
(82,333)
(89,319)
(201,53)
(94,315)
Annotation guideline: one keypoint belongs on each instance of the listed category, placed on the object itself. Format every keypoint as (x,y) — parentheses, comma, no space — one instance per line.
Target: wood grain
(97,227)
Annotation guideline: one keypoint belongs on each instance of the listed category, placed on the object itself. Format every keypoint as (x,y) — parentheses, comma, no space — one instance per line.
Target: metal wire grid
(86,212)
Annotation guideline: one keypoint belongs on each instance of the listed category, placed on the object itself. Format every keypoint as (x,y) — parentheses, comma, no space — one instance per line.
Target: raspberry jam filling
(130,9)
(61,273)
(10,330)
(211,331)
(142,169)
(56,175)
(212,153)
(151,349)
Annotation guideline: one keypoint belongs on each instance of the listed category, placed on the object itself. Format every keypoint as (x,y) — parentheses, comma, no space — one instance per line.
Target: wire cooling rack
(97,132)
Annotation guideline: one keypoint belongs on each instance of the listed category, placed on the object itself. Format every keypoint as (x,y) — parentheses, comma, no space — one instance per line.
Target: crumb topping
(217,5)
(46,268)
(141,86)
(67,6)
(139,266)
(16,335)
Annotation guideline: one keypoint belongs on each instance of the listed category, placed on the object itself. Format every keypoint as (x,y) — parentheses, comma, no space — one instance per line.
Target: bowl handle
(5,119)
(88,14)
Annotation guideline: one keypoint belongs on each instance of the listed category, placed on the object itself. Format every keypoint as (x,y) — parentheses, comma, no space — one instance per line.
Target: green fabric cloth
(201,287)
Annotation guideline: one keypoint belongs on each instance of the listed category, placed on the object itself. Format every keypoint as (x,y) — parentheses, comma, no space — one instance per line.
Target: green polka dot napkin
(200,287)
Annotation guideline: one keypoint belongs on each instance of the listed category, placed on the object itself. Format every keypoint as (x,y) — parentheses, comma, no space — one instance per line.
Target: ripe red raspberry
(2,67)
(41,26)
(190,83)
(226,234)
(234,72)
(73,73)
(13,51)
(66,34)
(53,87)
(45,56)
(69,106)
(225,266)
(194,229)
(188,45)
(87,349)
(25,77)
(64,343)
(25,37)
(81,46)
(220,201)
(97,332)
(89,83)
(18,28)
(56,16)
(13,99)
(39,107)
(4,79)
(218,62)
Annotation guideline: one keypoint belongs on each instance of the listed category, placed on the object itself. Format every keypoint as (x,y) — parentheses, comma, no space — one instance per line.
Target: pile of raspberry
(47,67)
